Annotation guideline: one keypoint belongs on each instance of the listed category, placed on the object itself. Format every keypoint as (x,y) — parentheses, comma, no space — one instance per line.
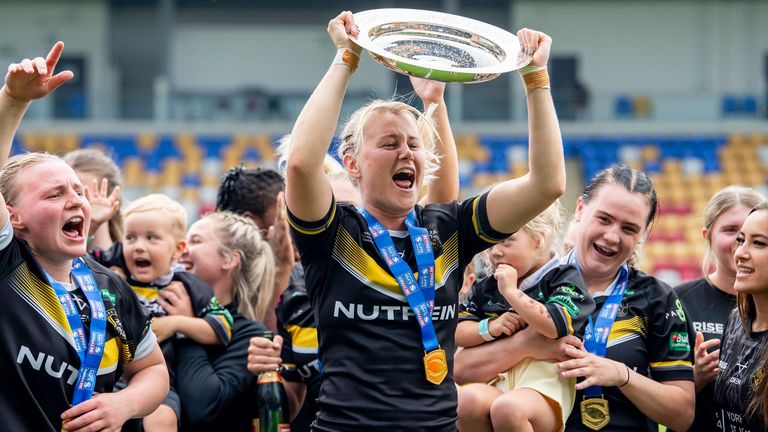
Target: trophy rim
(513,58)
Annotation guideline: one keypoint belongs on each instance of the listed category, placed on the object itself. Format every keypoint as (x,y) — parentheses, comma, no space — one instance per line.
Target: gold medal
(435,366)
(594,413)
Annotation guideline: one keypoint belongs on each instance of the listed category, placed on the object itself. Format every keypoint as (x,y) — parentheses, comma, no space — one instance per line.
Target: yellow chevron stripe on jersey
(303,339)
(569,320)
(476,224)
(312,231)
(224,323)
(631,327)
(663,364)
(41,297)
(149,294)
(110,357)
(364,268)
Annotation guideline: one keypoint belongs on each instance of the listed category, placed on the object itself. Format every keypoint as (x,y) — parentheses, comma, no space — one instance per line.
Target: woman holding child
(217,390)
(636,362)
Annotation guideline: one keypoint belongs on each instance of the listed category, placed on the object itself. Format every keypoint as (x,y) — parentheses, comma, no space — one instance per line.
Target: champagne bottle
(272,401)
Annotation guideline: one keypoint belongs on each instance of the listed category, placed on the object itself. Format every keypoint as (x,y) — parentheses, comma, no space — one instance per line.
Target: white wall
(684,54)
(29,29)
(278,57)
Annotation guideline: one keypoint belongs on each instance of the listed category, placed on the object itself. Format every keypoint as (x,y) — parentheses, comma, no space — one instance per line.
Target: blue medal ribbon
(91,348)
(419,291)
(596,333)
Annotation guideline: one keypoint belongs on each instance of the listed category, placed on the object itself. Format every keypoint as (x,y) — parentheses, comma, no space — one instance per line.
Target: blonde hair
(254,279)
(162,204)
(11,172)
(724,200)
(98,164)
(352,132)
(544,229)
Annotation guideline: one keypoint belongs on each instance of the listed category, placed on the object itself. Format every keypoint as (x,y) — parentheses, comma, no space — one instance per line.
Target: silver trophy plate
(438,46)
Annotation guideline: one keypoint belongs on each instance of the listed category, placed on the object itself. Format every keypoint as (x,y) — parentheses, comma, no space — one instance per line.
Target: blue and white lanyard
(420,291)
(596,334)
(91,348)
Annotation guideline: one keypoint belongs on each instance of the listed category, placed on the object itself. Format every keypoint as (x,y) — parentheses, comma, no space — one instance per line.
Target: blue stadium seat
(750,105)
(624,107)
(213,146)
(166,147)
(190,180)
(730,106)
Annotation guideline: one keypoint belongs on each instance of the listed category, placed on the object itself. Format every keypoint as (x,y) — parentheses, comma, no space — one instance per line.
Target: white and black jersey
(741,369)
(369,340)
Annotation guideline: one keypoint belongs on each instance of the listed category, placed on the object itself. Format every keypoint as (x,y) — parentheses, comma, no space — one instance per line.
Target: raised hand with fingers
(706,363)
(429,91)
(264,354)
(34,79)
(506,275)
(279,236)
(341,29)
(535,44)
(103,206)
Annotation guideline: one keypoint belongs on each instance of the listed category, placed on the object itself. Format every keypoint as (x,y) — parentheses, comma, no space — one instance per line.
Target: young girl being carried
(529,287)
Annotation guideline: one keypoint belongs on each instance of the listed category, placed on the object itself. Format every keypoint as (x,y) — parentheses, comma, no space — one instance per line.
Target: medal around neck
(438,46)
(595,413)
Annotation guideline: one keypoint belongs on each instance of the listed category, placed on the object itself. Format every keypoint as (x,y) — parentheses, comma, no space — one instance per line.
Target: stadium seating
(687,171)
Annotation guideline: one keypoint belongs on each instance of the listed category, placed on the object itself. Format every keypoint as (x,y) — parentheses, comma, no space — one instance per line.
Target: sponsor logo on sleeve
(678,341)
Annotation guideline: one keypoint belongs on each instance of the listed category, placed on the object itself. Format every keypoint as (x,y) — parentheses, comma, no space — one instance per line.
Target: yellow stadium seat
(146,142)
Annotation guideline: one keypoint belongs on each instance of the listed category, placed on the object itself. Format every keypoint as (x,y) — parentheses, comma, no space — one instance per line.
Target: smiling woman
(741,388)
(637,357)
(383,278)
(57,301)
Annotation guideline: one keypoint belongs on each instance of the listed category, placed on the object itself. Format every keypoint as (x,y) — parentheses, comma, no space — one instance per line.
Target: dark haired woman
(741,390)
(637,361)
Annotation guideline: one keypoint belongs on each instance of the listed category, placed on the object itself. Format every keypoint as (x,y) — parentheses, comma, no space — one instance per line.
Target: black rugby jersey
(708,309)
(652,336)
(741,370)
(39,362)
(370,342)
(296,324)
(561,290)
(217,390)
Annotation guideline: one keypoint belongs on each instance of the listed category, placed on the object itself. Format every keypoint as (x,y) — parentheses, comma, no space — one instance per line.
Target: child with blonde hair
(153,241)
(528,286)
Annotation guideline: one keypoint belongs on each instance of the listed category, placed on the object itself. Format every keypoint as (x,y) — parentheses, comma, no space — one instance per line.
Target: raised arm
(25,81)
(445,186)
(533,312)
(308,191)
(545,181)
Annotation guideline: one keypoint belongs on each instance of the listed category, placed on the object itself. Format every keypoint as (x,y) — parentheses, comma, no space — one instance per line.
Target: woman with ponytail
(227,251)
